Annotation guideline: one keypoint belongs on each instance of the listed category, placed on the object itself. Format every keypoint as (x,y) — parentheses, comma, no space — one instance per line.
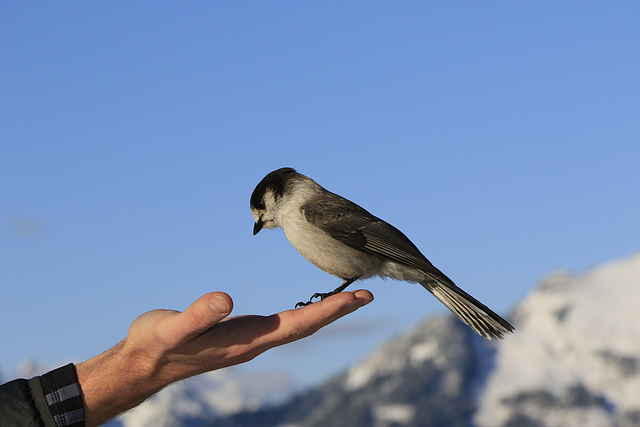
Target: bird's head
(265,199)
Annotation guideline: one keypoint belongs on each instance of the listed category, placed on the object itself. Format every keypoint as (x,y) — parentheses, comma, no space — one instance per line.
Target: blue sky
(501,137)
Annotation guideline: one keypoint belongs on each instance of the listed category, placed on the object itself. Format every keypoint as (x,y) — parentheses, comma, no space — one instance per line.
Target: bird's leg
(322,296)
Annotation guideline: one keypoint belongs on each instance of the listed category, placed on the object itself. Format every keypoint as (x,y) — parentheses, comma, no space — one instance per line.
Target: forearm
(114,382)
(126,375)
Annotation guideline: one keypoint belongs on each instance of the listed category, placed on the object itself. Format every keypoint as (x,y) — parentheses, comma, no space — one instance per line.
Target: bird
(345,240)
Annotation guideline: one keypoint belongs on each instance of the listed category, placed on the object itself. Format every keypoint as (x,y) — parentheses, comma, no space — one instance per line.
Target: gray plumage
(343,239)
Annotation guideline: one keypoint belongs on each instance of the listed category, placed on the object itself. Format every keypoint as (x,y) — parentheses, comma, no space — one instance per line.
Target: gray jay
(343,239)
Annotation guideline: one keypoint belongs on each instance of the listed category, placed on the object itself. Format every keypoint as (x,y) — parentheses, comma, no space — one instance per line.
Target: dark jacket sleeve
(51,400)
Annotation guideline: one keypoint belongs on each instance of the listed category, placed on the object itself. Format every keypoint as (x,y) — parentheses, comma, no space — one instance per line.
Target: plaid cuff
(64,397)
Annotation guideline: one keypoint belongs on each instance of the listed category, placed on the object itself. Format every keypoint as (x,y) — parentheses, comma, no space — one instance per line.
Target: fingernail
(219,305)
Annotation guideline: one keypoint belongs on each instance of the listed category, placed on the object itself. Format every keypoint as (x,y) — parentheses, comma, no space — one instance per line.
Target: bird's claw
(321,296)
(316,295)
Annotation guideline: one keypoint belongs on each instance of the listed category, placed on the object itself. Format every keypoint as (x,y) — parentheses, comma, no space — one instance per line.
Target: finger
(302,322)
(333,308)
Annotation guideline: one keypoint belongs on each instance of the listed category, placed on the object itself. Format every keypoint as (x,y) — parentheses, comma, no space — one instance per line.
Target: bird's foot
(316,295)
(322,296)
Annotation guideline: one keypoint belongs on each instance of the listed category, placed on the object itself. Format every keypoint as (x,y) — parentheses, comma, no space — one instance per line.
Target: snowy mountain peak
(425,342)
(575,359)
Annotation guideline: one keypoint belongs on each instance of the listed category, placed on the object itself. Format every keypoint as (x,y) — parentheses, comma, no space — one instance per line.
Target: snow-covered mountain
(574,360)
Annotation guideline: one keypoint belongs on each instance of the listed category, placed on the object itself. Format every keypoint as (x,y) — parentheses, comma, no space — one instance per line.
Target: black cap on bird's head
(275,181)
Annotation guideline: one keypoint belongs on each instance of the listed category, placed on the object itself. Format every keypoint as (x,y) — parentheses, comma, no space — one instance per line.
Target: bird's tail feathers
(468,309)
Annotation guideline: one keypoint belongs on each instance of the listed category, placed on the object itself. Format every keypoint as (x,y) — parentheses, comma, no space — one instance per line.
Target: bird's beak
(257,226)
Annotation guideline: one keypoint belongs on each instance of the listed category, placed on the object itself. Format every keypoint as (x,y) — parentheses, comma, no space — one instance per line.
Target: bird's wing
(354,226)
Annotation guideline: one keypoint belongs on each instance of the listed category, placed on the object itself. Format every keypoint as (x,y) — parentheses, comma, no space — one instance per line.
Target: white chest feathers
(322,250)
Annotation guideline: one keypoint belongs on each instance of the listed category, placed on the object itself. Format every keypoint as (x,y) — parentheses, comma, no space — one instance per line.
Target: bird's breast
(325,252)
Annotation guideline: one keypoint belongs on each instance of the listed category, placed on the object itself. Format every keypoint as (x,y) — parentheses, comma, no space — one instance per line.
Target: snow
(409,349)
(388,359)
(572,331)
(210,395)
(423,351)
(398,413)
(377,364)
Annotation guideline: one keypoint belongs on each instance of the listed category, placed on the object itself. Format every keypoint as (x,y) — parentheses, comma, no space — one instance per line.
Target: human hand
(164,346)
(178,345)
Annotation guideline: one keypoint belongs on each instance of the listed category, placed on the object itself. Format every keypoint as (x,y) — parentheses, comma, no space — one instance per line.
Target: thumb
(202,314)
